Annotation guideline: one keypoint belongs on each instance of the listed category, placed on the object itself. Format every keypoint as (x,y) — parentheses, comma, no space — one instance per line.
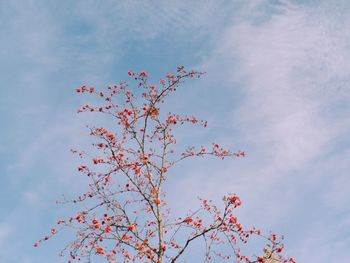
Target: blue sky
(276,86)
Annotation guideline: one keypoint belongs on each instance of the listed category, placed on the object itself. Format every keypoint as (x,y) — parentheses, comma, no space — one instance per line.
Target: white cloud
(291,67)
(5,231)
(31,198)
(280,62)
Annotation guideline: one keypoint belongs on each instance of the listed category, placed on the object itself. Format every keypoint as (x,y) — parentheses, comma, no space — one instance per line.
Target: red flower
(170,76)
(100,250)
(233,199)
(81,168)
(188,220)
(144,74)
(233,220)
(108,229)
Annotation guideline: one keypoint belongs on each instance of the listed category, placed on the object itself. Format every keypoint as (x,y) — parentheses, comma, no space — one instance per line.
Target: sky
(277,87)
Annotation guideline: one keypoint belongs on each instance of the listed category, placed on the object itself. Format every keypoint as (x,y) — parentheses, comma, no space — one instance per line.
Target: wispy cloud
(289,63)
(5,231)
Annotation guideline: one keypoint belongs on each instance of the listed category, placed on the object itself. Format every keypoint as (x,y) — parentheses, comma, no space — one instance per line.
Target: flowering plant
(127,218)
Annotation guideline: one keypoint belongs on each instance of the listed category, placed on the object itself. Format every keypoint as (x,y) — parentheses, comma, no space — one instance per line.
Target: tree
(128,219)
